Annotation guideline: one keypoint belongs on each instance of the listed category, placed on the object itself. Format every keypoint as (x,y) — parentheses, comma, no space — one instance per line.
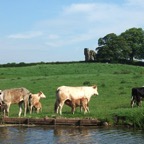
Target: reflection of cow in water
(82,103)
(64,131)
(64,93)
(137,95)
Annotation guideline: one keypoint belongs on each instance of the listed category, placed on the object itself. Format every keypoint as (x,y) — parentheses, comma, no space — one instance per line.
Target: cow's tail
(57,101)
(55,107)
(29,102)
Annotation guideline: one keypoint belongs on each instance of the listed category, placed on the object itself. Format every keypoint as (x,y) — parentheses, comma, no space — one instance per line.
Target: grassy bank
(114,83)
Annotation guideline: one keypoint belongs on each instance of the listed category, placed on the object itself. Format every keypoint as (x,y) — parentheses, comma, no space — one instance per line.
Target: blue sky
(59,30)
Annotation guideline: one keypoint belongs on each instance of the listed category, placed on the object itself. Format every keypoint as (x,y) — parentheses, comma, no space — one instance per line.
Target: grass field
(114,83)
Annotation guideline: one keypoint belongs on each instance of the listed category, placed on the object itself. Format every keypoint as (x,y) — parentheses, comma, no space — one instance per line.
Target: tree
(112,48)
(134,38)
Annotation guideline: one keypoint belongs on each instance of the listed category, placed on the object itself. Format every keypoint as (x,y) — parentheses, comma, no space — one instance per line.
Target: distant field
(114,83)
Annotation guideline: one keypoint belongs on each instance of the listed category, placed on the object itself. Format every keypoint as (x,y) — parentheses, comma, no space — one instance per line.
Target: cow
(34,100)
(64,93)
(82,103)
(136,96)
(15,96)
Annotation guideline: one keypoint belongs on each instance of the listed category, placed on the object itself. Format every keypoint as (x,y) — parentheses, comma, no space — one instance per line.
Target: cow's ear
(94,86)
(30,95)
(39,93)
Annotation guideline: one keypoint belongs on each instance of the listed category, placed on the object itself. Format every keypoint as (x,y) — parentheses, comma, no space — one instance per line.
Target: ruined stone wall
(90,55)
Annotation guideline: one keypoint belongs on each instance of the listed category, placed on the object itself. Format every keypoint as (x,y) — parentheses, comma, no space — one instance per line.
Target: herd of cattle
(20,96)
(71,96)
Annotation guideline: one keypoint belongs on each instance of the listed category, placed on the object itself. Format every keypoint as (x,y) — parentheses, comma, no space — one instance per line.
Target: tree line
(127,47)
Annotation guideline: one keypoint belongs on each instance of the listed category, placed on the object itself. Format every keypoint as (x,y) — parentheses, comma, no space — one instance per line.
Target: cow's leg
(87,107)
(31,107)
(25,107)
(37,110)
(140,103)
(20,109)
(7,109)
(4,110)
(138,100)
(60,107)
(132,101)
(56,107)
(81,108)
(73,108)
(85,111)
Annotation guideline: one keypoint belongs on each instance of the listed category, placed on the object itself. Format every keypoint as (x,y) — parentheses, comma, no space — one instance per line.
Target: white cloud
(53,36)
(79,8)
(27,35)
(136,3)
(90,21)
(53,44)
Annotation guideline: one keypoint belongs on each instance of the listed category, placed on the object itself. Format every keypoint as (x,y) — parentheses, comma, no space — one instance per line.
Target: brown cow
(82,103)
(38,107)
(15,96)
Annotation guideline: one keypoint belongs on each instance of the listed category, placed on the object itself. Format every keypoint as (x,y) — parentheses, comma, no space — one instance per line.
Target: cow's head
(41,94)
(95,90)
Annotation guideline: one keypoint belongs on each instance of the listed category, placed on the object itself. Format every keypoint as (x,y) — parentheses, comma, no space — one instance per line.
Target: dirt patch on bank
(52,121)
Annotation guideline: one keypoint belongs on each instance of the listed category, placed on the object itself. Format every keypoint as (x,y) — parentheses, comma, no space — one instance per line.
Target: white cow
(64,93)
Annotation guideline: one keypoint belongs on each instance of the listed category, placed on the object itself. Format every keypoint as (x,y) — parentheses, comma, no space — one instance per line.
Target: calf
(82,103)
(34,101)
(137,95)
(38,107)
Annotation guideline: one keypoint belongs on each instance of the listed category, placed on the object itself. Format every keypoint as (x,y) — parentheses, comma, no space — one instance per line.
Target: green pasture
(114,82)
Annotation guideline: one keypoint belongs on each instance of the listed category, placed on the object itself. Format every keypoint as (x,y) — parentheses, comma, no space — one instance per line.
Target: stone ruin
(90,55)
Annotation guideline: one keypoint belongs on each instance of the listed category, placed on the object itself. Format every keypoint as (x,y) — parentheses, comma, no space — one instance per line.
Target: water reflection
(62,135)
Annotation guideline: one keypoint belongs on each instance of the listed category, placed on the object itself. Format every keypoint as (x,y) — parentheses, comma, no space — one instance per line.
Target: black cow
(137,95)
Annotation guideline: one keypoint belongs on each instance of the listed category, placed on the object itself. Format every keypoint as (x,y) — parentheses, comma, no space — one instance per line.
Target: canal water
(69,135)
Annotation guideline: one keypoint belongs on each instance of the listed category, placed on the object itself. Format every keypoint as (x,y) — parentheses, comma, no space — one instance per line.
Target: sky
(59,30)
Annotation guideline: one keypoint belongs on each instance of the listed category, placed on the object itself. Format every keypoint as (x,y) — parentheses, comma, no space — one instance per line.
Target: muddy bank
(53,121)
